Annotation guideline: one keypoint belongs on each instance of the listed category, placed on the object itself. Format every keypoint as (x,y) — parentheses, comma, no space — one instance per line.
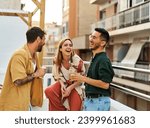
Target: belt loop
(92,95)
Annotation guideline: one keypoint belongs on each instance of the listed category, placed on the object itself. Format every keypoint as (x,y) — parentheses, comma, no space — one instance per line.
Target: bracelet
(33,75)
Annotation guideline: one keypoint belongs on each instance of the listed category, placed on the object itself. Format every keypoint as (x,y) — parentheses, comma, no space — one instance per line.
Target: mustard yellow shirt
(12,97)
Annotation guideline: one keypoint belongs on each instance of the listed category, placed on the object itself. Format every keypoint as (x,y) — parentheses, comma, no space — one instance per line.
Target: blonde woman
(65,94)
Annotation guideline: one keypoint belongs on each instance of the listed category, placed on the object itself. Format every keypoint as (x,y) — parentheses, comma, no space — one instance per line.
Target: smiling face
(66,48)
(96,42)
(64,52)
(94,39)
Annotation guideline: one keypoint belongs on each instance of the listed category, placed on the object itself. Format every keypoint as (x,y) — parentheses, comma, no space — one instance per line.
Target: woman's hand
(67,92)
(63,89)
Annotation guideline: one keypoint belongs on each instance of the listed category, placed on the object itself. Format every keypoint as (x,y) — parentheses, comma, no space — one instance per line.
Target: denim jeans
(97,104)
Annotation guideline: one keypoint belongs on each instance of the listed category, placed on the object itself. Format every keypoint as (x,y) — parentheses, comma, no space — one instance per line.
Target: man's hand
(78,77)
(39,72)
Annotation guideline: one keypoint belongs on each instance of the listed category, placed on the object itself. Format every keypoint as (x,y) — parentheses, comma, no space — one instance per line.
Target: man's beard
(40,48)
(95,47)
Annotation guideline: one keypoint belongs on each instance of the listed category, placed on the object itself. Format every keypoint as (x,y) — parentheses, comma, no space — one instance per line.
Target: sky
(53,10)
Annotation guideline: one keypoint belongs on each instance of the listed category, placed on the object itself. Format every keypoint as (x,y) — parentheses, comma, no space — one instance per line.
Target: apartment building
(78,15)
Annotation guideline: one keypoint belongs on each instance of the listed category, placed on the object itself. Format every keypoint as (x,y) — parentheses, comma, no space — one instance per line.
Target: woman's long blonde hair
(59,57)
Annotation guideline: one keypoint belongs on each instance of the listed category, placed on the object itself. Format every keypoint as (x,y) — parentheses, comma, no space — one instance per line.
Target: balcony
(98,1)
(138,16)
(48,79)
(127,87)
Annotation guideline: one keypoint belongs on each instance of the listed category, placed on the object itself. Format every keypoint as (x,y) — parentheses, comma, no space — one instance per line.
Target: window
(65,5)
(102,14)
(123,5)
(65,28)
(138,1)
(130,3)
(122,52)
(144,55)
(116,8)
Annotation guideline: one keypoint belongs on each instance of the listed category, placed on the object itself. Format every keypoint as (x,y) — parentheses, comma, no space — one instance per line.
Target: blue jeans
(97,104)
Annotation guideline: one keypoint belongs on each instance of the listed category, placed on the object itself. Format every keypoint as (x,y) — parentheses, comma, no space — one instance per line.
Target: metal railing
(127,90)
(132,69)
(118,87)
(131,92)
(132,16)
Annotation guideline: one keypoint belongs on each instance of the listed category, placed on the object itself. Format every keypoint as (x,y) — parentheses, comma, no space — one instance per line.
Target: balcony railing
(136,15)
(115,105)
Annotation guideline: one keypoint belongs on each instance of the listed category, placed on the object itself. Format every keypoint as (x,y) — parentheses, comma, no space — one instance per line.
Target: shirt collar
(27,49)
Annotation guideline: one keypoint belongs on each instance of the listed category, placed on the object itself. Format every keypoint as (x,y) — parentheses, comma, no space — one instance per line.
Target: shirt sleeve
(55,72)
(106,72)
(18,68)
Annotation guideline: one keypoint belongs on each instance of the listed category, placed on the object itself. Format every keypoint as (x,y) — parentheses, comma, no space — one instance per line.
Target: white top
(65,72)
(76,59)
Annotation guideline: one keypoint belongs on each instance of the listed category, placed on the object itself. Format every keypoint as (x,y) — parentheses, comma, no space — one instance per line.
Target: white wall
(12,37)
